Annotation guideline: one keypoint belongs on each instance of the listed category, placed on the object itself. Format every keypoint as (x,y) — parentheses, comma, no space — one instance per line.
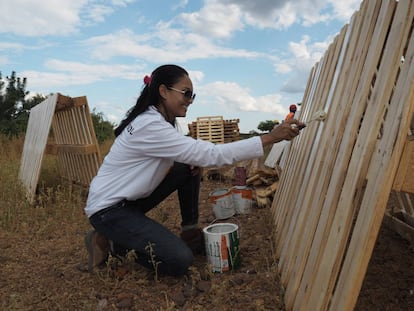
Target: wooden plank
(37,133)
(404,180)
(405,230)
(76,149)
(406,201)
(63,102)
(275,154)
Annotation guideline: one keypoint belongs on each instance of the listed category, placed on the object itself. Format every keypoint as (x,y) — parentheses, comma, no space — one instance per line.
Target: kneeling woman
(149,160)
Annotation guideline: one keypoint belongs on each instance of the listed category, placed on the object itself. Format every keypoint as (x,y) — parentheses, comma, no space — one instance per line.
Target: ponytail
(167,75)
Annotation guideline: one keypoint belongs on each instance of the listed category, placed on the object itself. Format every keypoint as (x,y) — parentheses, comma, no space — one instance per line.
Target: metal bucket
(242,199)
(222,203)
(222,246)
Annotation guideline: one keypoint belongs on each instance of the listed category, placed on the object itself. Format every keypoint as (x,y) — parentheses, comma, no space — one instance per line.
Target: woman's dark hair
(150,96)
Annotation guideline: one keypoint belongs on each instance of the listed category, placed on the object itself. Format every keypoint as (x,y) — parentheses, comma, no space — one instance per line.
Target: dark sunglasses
(187,94)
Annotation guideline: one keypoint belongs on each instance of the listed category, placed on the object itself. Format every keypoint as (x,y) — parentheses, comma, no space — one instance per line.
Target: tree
(267,126)
(104,129)
(12,104)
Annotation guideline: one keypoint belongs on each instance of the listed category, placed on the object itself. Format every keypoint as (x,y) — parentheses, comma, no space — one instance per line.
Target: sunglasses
(187,94)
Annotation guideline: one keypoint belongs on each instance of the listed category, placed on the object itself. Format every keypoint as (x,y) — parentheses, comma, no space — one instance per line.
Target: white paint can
(222,246)
(222,203)
(242,199)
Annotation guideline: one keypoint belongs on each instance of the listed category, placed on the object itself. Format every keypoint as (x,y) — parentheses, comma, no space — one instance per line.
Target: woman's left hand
(195,170)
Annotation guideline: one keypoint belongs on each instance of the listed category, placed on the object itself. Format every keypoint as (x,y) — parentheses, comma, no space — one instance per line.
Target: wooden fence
(72,139)
(338,173)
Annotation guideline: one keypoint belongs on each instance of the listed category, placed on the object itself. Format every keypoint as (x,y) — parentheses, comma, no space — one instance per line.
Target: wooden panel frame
(339,173)
(74,141)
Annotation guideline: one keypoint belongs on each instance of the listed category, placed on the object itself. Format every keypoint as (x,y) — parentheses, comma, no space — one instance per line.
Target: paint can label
(222,203)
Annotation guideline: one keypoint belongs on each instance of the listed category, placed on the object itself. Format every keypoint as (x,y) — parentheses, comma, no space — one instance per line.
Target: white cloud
(302,57)
(180,4)
(343,10)
(283,68)
(232,97)
(53,17)
(63,74)
(196,76)
(39,18)
(215,20)
(122,3)
(165,45)
(98,12)
(11,46)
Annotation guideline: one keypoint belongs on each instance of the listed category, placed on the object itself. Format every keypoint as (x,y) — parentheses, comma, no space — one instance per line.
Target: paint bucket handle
(228,219)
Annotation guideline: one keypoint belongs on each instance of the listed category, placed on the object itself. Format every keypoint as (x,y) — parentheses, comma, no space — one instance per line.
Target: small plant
(150,250)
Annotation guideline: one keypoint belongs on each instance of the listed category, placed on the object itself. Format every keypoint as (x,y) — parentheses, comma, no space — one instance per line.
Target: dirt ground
(43,268)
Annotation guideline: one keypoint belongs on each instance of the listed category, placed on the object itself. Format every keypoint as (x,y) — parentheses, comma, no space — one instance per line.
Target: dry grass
(42,255)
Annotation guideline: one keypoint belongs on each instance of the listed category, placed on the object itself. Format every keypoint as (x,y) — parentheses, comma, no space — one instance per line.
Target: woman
(148,161)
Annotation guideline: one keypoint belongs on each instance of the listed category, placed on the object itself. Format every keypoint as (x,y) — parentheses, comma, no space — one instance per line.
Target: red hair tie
(147,80)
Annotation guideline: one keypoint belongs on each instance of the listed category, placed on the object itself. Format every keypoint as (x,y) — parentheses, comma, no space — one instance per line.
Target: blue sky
(248,60)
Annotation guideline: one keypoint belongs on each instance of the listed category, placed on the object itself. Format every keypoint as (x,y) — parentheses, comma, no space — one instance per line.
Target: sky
(248,60)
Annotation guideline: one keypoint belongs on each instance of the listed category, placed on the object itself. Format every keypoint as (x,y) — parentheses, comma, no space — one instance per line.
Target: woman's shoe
(98,249)
(194,238)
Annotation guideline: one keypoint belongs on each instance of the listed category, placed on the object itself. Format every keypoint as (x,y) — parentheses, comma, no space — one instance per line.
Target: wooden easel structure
(73,141)
(339,173)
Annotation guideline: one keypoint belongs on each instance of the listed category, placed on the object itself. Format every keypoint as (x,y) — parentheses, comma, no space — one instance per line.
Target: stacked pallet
(231,130)
(215,129)
(211,129)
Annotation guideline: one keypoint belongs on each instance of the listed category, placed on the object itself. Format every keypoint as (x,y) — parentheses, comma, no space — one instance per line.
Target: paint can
(222,203)
(242,199)
(222,246)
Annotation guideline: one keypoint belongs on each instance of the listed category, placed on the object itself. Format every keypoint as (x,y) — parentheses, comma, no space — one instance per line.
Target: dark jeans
(156,247)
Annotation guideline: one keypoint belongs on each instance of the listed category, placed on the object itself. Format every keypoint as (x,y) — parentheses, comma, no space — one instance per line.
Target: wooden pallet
(211,129)
(231,130)
(215,129)
(73,141)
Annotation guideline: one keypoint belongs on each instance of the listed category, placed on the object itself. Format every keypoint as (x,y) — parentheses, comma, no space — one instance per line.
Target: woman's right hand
(284,131)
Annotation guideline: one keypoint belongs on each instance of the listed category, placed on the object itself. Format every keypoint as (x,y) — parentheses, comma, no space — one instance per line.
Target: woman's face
(178,97)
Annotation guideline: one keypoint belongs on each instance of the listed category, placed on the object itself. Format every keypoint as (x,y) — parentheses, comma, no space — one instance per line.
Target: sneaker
(98,249)
(194,238)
